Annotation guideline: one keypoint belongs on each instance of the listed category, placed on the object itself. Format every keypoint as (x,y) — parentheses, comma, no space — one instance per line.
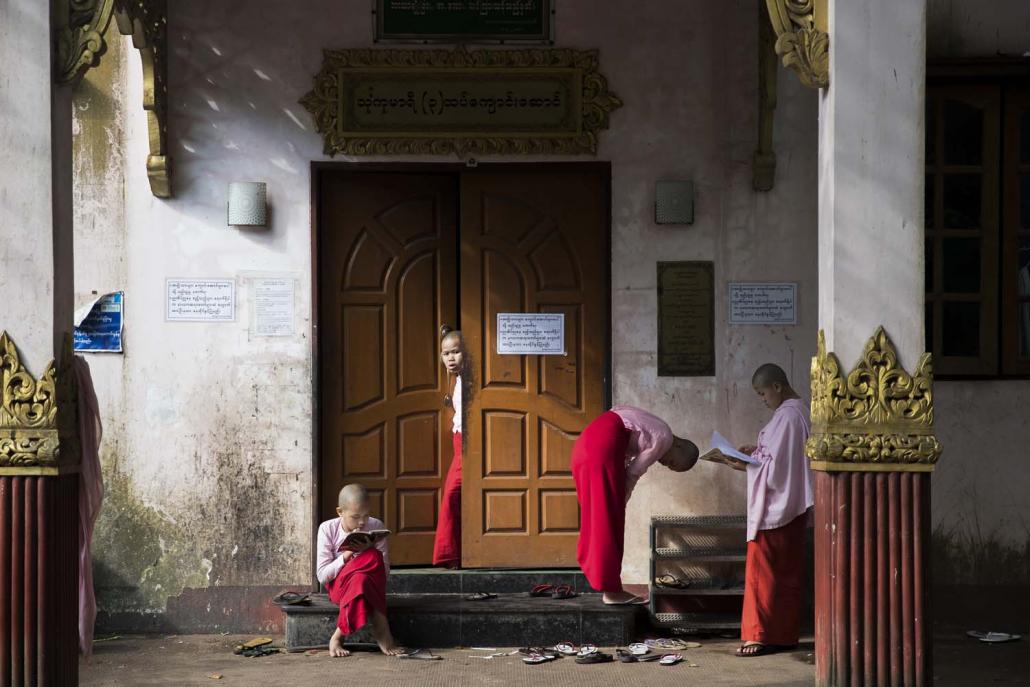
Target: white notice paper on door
(539,333)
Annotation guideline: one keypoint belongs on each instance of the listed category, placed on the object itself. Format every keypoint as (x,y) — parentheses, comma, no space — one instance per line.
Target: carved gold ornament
(878,416)
(28,412)
(80,45)
(801,39)
(393,102)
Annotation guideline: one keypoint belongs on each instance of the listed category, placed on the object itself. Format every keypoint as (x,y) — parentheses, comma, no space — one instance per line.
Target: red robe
(599,470)
(447,545)
(359,589)
(772,584)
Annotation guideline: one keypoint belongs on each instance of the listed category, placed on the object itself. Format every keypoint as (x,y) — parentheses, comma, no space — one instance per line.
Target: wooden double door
(399,254)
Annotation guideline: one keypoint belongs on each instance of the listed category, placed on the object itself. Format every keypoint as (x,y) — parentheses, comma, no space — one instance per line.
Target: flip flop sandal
(565,648)
(534,659)
(597,657)
(422,655)
(291,599)
(998,637)
(638,649)
(671,582)
(647,658)
(563,591)
(670,659)
(480,596)
(666,643)
(632,601)
(586,650)
(625,656)
(542,590)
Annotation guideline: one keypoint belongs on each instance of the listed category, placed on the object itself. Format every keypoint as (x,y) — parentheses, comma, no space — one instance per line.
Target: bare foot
(617,598)
(383,636)
(336,649)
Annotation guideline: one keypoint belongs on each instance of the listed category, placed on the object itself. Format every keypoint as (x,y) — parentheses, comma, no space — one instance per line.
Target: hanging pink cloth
(91,494)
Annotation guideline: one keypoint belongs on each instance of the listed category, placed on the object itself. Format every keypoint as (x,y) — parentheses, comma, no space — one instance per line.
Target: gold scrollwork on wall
(80,45)
(29,434)
(877,414)
(392,102)
(801,39)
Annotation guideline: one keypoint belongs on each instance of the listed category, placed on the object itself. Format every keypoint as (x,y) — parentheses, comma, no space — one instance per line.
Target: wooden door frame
(322,167)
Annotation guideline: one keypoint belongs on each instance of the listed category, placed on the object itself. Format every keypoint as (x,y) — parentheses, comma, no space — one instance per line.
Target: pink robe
(91,495)
(650,438)
(779,488)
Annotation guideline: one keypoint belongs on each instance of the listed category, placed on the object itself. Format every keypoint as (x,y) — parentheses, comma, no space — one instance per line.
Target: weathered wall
(981,513)
(207,452)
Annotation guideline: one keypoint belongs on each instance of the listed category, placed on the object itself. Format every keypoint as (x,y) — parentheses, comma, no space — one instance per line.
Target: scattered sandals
(291,599)
(421,654)
(535,655)
(560,591)
(481,596)
(594,657)
(670,644)
(993,637)
(670,659)
(671,582)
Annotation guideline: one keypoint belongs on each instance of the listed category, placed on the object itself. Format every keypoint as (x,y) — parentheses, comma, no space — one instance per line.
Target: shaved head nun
(769,374)
(353,495)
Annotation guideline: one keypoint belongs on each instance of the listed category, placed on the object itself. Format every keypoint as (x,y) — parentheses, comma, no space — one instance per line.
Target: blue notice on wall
(98,326)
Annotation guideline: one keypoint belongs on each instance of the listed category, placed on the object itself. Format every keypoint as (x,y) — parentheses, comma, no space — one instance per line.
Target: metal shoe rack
(706,552)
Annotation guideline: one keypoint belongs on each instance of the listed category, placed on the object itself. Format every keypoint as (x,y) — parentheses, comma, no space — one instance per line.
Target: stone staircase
(428,608)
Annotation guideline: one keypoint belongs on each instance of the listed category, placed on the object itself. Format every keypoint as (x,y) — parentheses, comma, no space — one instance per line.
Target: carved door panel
(387,265)
(530,242)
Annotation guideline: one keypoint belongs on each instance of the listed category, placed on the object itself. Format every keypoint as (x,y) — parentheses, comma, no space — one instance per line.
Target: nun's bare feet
(336,649)
(383,636)
(621,598)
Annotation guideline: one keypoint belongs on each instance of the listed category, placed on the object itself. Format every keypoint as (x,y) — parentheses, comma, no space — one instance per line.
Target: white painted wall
(214,457)
(208,445)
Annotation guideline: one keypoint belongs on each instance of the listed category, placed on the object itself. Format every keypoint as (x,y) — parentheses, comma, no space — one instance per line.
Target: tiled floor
(193,659)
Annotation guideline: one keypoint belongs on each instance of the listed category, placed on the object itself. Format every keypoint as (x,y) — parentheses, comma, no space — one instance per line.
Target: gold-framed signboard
(394,102)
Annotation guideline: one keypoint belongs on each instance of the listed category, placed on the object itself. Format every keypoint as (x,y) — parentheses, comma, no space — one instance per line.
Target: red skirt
(359,589)
(447,545)
(772,585)
(599,470)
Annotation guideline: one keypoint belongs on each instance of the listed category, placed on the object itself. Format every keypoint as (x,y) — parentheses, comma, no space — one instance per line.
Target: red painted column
(872,586)
(38,580)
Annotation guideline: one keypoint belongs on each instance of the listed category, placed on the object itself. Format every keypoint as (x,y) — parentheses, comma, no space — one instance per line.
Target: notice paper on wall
(530,333)
(763,303)
(200,300)
(272,301)
(98,324)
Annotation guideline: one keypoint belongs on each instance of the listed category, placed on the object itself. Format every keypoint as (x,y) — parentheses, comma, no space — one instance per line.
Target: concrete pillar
(871,167)
(36,285)
(38,448)
(872,459)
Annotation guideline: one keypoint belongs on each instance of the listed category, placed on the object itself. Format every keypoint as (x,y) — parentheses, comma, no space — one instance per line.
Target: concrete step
(439,581)
(449,620)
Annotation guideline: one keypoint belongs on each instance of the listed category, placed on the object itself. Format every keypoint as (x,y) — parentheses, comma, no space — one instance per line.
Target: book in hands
(723,452)
(358,539)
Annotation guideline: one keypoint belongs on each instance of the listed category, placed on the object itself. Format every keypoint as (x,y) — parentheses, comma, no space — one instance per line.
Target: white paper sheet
(720,442)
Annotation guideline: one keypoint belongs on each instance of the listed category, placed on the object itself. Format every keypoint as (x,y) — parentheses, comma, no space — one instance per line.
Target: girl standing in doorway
(447,546)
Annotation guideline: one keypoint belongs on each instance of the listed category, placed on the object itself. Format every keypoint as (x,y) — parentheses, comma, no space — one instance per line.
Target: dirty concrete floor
(192,659)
